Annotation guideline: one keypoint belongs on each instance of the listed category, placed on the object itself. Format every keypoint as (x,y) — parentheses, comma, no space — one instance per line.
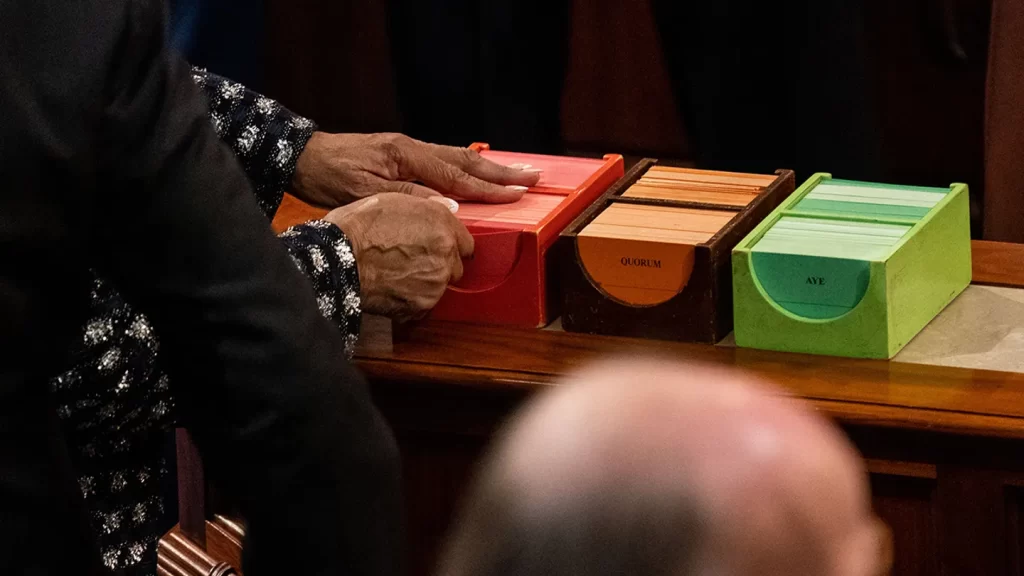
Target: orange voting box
(511,278)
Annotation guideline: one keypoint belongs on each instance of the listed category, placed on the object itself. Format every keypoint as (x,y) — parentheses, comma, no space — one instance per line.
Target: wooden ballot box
(851,268)
(510,280)
(651,258)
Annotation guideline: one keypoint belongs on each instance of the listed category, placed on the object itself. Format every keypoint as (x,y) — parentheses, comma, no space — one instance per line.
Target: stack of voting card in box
(851,268)
(651,257)
(871,200)
(699,186)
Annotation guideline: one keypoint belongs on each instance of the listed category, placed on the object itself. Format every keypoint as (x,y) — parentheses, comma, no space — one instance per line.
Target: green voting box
(851,268)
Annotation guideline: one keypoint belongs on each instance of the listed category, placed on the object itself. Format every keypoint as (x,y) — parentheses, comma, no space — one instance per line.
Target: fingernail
(520,166)
(365,204)
(533,170)
(517,188)
(452,205)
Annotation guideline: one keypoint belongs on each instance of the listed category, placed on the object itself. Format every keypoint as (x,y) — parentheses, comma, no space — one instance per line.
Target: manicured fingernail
(533,170)
(519,166)
(517,188)
(452,205)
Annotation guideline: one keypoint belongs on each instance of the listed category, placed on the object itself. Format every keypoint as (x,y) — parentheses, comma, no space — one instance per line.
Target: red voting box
(511,278)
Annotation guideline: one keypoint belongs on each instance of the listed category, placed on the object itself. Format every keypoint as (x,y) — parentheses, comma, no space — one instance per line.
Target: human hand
(335,169)
(407,251)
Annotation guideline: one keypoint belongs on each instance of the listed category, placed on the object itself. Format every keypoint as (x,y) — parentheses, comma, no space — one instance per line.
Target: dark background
(887,90)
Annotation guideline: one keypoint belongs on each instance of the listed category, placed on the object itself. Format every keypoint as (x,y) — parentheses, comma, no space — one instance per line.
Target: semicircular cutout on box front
(636,273)
(812,287)
(495,256)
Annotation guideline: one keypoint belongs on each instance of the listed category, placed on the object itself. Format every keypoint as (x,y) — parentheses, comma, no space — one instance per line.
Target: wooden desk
(945,446)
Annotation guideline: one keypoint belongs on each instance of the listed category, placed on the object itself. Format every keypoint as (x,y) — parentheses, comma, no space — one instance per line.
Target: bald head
(649,467)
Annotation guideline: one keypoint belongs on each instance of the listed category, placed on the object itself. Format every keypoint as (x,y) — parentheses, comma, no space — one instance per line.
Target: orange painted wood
(293,211)
(558,173)
(530,210)
(664,273)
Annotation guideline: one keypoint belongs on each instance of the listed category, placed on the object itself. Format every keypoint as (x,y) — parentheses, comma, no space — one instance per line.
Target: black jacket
(108,161)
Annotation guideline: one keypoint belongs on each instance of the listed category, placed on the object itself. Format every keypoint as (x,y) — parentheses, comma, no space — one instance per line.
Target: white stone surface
(983,329)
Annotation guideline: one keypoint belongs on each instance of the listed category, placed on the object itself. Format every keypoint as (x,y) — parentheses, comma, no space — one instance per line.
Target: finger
(457,270)
(448,203)
(445,177)
(409,189)
(403,309)
(419,306)
(463,239)
(472,163)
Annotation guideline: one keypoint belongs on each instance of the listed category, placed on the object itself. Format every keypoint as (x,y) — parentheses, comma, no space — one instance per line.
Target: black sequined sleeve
(323,253)
(266,137)
(116,399)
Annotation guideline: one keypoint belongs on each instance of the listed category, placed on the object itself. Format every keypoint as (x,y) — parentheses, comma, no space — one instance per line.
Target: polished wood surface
(998,263)
(191,488)
(179,555)
(866,392)
(941,444)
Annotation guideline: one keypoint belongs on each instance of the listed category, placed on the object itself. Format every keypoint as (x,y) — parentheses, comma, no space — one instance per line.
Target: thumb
(450,204)
(464,240)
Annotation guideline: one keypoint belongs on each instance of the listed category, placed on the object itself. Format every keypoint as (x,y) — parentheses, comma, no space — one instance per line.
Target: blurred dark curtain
(481,70)
(773,84)
(889,90)
(1004,142)
(225,36)
(885,90)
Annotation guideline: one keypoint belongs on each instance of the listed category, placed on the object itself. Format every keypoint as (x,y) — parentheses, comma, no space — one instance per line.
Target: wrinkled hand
(407,250)
(335,169)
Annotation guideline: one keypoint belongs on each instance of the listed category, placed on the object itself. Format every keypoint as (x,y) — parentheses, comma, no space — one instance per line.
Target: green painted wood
(853,284)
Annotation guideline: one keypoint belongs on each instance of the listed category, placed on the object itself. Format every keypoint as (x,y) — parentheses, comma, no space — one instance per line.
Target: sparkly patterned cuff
(324,255)
(285,139)
(265,137)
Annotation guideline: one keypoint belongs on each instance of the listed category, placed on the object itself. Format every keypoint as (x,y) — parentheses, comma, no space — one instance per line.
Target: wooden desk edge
(380,372)
(998,263)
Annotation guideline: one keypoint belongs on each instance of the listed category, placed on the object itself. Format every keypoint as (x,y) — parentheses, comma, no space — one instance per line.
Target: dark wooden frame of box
(702,311)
